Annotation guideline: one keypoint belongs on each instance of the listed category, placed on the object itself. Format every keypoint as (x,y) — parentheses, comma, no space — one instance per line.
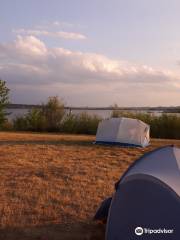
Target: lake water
(15,112)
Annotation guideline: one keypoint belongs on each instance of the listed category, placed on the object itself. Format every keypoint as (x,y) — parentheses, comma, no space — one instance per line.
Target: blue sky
(125,52)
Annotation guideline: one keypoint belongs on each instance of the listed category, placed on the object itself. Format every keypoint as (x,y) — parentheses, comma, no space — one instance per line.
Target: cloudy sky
(91,52)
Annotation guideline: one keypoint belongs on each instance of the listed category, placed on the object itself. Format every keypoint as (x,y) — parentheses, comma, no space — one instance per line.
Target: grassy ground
(51,185)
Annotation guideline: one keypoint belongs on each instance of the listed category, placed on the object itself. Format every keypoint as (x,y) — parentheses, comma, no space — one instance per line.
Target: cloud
(57,34)
(63,24)
(83,78)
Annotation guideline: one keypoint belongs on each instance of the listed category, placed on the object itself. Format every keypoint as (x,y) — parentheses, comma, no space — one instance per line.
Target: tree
(53,112)
(35,120)
(115,111)
(4,98)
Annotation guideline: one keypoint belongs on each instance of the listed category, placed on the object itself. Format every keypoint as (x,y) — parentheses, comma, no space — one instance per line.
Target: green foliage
(166,126)
(32,121)
(68,124)
(115,113)
(52,117)
(145,117)
(47,118)
(53,112)
(80,124)
(20,123)
(4,97)
(7,126)
(35,120)
(163,126)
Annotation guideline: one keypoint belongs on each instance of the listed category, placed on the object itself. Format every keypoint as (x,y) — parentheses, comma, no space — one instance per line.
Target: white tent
(126,131)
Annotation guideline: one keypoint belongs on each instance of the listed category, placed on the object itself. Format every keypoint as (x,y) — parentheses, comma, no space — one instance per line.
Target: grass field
(51,185)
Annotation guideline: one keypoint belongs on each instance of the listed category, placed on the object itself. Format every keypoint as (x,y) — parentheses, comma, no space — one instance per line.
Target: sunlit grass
(51,185)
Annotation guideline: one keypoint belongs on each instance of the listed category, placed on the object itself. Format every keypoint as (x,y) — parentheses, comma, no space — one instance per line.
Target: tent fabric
(123,130)
(147,196)
(143,202)
(163,164)
(102,212)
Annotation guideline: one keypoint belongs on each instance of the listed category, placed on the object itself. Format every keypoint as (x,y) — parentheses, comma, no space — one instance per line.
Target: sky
(91,52)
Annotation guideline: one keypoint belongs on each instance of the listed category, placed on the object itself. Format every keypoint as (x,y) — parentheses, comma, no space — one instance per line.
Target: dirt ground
(52,184)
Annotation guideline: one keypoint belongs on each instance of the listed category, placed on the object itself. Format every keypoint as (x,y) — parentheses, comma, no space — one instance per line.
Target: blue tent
(146,203)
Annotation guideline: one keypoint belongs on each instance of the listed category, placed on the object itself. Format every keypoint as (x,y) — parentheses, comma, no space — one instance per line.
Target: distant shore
(171,109)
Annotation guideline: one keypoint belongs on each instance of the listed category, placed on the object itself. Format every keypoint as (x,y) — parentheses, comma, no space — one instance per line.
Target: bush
(69,123)
(7,126)
(166,126)
(51,117)
(35,120)
(115,113)
(4,97)
(47,118)
(81,123)
(32,121)
(53,113)
(20,123)
(163,126)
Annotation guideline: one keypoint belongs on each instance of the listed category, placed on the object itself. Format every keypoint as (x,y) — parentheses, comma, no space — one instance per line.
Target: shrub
(53,112)
(81,123)
(4,97)
(7,126)
(35,120)
(163,126)
(69,123)
(47,118)
(32,121)
(20,123)
(51,117)
(115,113)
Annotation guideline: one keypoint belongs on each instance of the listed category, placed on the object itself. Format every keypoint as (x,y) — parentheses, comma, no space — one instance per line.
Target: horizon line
(16,105)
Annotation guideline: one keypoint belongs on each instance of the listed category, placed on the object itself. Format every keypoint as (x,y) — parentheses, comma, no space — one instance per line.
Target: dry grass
(51,185)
